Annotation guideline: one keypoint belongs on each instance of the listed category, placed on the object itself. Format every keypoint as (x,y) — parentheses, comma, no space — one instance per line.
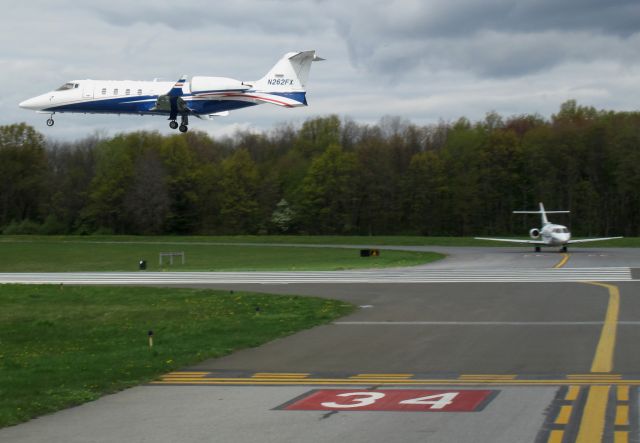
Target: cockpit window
(67,86)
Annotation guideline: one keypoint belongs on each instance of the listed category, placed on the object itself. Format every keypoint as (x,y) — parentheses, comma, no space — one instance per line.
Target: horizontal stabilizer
(542,212)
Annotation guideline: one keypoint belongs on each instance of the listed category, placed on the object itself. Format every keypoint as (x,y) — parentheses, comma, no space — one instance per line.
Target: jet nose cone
(28,104)
(35,103)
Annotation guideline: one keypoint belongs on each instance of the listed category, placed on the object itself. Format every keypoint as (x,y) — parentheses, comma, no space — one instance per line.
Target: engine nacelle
(534,233)
(201,85)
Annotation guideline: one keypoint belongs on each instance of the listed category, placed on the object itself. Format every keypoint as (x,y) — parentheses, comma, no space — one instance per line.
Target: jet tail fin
(289,74)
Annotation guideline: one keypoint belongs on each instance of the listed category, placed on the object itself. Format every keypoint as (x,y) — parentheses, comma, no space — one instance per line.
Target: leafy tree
(107,191)
(317,134)
(183,181)
(23,166)
(327,193)
(238,194)
(147,203)
(283,217)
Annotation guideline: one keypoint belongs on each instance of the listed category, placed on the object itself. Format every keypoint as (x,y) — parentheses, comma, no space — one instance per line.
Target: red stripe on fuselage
(279,102)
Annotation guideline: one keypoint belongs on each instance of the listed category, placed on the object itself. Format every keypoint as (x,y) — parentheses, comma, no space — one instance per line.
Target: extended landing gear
(50,121)
(184,122)
(537,248)
(563,249)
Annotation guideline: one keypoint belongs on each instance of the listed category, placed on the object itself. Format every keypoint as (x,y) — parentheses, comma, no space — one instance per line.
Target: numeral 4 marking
(437,401)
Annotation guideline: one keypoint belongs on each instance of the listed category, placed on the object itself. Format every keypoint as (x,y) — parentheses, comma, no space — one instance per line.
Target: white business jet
(549,234)
(202,97)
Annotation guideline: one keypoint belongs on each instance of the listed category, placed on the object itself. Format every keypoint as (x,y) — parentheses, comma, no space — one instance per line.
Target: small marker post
(150,334)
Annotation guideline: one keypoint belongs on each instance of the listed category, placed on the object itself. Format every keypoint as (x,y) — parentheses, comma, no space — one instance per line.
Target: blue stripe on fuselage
(128,104)
(142,104)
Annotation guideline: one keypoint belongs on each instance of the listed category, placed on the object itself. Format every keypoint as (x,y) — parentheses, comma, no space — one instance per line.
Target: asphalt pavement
(558,357)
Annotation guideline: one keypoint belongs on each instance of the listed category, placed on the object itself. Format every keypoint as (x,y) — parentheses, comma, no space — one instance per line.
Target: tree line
(331,176)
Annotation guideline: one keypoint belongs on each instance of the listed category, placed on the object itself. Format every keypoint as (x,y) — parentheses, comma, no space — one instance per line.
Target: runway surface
(553,337)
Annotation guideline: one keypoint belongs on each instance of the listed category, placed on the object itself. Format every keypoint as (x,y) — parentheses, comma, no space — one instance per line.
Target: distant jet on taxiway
(549,234)
(202,97)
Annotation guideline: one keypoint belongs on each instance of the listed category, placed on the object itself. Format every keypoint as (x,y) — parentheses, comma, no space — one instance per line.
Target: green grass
(64,346)
(64,254)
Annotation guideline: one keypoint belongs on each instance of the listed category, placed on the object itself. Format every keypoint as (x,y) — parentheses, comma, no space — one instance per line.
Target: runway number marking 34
(409,400)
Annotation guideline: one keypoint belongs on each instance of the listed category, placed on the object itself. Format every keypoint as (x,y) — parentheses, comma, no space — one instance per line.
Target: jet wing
(172,101)
(586,240)
(164,103)
(512,240)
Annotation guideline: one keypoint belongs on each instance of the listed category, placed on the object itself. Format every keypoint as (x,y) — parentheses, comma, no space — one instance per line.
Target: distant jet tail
(542,213)
(288,78)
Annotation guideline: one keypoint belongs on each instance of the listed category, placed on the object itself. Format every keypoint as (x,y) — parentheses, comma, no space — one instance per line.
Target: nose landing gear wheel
(50,122)
(183,128)
(173,124)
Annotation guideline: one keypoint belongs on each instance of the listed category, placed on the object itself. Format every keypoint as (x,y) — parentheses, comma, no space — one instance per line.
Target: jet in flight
(549,234)
(202,97)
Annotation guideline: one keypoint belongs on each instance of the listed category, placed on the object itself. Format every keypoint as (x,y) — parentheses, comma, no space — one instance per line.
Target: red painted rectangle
(410,400)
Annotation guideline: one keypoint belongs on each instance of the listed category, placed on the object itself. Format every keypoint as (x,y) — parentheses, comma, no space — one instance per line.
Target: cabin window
(65,87)
(127,92)
(76,85)
(139,91)
(104,91)
(115,91)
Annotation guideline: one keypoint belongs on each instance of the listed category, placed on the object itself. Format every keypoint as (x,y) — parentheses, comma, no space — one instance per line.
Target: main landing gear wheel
(564,249)
(50,122)
(173,124)
(537,249)
(183,123)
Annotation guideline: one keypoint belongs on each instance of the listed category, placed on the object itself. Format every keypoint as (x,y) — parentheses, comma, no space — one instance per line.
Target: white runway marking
(480,323)
(369,276)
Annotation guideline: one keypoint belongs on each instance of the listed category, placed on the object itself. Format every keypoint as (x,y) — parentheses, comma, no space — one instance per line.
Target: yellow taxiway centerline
(593,418)
(563,261)
(603,360)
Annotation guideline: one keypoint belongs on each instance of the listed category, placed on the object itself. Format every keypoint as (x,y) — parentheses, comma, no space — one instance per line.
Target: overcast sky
(421,60)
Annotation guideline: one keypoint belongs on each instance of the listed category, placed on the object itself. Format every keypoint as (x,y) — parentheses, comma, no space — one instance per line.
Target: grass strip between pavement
(63,346)
(42,254)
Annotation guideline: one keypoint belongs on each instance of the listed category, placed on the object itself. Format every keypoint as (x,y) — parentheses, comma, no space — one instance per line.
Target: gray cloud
(423,60)
(492,37)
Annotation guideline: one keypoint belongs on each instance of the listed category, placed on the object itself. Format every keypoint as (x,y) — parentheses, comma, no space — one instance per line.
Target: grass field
(57,254)
(63,347)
